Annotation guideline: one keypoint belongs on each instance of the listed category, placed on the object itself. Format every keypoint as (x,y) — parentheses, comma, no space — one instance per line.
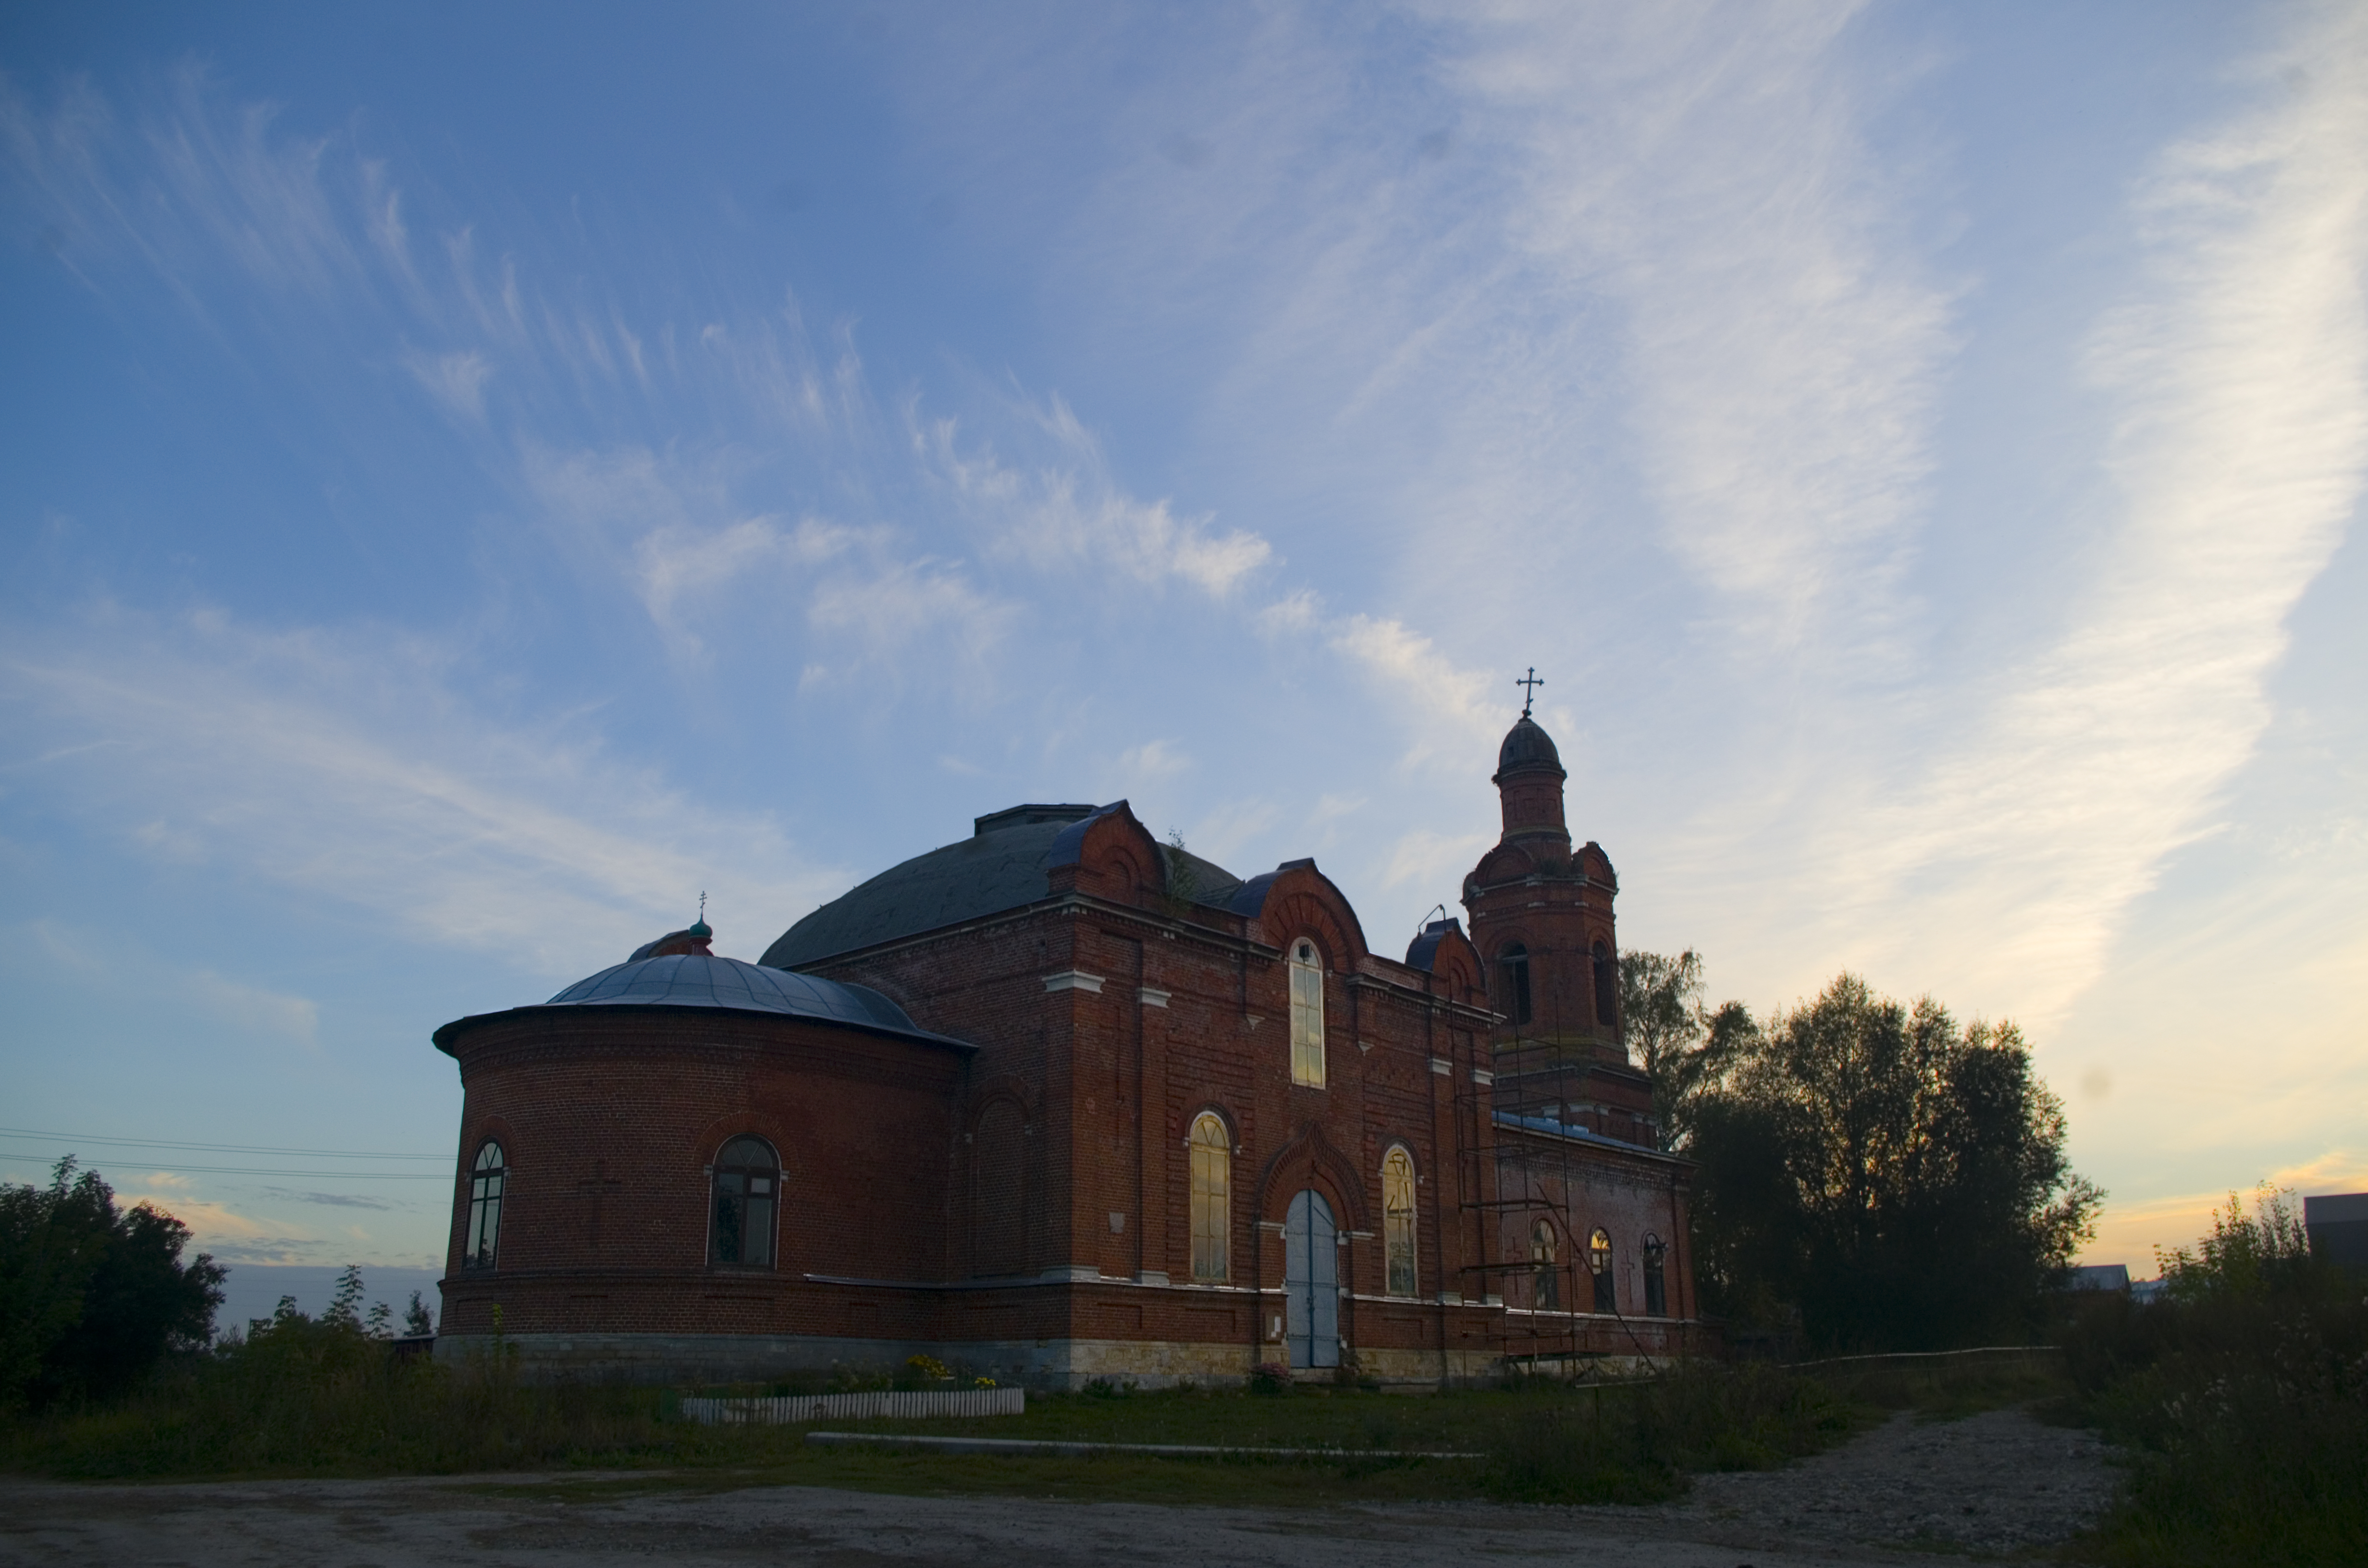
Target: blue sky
(480,477)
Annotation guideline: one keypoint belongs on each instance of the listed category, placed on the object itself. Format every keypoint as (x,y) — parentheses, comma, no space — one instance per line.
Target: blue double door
(1311,1281)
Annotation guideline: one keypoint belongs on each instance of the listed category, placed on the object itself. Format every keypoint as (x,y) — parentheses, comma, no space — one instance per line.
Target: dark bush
(2244,1392)
(93,1296)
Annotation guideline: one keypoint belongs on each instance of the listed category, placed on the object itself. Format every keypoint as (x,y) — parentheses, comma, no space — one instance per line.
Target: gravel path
(1997,1484)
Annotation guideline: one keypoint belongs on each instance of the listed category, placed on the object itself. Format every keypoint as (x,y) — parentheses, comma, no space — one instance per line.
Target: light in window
(1306,1016)
(1545,1280)
(486,1178)
(1599,1264)
(1397,1220)
(747,1189)
(1211,1177)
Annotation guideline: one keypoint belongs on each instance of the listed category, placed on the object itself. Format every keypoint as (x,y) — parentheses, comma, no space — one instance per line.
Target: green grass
(310,1399)
(1952,1392)
(2244,1407)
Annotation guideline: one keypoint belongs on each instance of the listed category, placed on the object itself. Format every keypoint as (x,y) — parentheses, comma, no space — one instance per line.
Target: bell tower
(1541,911)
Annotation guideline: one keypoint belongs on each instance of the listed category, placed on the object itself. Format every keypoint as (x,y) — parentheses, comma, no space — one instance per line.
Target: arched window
(1607,984)
(486,1178)
(1544,1277)
(747,1189)
(1306,1015)
(1515,962)
(1599,1264)
(1656,1289)
(1397,1220)
(1213,1162)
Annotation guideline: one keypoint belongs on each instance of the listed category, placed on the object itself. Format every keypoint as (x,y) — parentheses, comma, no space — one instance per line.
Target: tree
(92,1296)
(1682,1045)
(1899,1178)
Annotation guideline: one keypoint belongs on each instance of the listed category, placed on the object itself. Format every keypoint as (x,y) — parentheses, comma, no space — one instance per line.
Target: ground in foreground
(1998,1482)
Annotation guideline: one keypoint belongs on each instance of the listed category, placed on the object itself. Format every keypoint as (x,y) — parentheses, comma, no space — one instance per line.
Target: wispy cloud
(345,766)
(1069,511)
(1708,166)
(211,1222)
(329,1200)
(456,379)
(2238,374)
(255,1008)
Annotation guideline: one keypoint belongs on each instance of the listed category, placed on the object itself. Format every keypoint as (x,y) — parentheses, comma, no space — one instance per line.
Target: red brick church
(1059,1102)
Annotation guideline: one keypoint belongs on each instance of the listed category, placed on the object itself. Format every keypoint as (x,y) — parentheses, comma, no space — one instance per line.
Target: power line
(215,1148)
(267,1171)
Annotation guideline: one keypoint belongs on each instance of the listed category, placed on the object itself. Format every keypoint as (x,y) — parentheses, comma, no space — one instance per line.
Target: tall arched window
(1515,962)
(1607,984)
(1397,1220)
(747,1190)
(1599,1264)
(1657,1286)
(1213,1161)
(1306,1015)
(486,1178)
(1545,1280)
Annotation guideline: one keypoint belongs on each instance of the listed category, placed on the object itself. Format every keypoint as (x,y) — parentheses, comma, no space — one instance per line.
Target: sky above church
(478,477)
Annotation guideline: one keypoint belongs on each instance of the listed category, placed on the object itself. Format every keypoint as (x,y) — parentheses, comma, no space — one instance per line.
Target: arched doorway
(1311,1281)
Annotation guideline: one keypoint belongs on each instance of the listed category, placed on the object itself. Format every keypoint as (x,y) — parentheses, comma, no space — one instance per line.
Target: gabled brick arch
(1504,863)
(1301,901)
(1299,1162)
(1110,854)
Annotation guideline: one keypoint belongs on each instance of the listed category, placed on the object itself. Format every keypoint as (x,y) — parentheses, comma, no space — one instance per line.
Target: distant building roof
(2335,1209)
(2338,1223)
(1001,866)
(2099,1276)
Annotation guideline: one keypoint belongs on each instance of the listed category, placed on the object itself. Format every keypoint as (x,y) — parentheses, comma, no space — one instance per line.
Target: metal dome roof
(1526,745)
(702,980)
(1001,866)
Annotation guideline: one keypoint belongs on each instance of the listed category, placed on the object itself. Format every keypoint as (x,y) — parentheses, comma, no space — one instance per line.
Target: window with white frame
(486,1178)
(1306,1015)
(1213,1161)
(1397,1220)
(747,1183)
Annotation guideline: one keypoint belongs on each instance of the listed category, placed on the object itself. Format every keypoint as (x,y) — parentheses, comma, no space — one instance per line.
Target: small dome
(1526,745)
(704,981)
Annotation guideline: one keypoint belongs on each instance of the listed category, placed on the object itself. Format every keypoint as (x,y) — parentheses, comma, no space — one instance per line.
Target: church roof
(1526,745)
(704,981)
(1001,866)
(1424,948)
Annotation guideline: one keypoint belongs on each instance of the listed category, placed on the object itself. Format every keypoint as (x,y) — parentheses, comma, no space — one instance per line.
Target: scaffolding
(1543,1115)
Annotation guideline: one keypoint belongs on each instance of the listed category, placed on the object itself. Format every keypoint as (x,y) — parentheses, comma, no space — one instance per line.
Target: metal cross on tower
(1528,685)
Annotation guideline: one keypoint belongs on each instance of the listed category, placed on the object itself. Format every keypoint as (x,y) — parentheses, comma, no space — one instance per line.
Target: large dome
(1526,745)
(1001,866)
(703,980)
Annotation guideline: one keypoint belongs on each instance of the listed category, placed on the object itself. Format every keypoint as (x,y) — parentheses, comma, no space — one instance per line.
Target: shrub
(1270,1378)
(1635,1443)
(2244,1391)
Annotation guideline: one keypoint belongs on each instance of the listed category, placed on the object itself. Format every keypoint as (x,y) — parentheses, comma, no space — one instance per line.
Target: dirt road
(1998,1483)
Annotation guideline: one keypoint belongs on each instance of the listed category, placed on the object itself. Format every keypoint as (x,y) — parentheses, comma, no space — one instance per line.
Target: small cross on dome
(1528,685)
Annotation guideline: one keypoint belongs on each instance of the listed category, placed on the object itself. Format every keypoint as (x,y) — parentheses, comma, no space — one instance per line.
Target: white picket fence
(885,1405)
